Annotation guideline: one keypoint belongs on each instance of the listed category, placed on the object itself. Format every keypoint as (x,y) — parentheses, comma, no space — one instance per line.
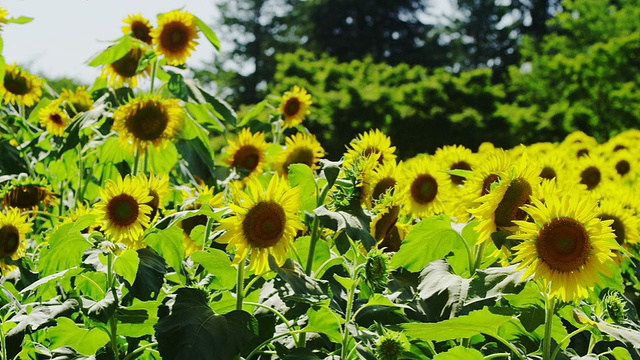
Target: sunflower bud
(391,345)
(615,307)
(376,269)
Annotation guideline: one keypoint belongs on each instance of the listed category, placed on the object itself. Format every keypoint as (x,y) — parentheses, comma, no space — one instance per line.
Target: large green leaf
(66,246)
(162,161)
(84,341)
(222,110)
(299,287)
(198,158)
(188,328)
(126,265)
(167,243)
(355,224)
(150,275)
(301,175)
(321,252)
(138,319)
(208,33)
(216,262)
(113,52)
(35,316)
(325,321)
(460,352)
(437,278)
(431,239)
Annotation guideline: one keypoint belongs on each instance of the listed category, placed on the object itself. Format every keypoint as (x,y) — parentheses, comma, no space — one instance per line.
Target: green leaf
(325,321)
(222,110)
(300,286)
(113,52)
(138,319)
(19,20)
(477,322)
(65,250)
(330,170)
(208,33)
(177,86)
(168,244)
(198,157)
(251,114)
(301,175)
(355,225)
(163,161)
(100,310)
(321,252)
(460,352)
(216,262)
(150,275)
(34,317)
(84,341)
(201,119)
(620,353)
(126,265)
(431,239)
(188,328)
(437,278)
(623,334)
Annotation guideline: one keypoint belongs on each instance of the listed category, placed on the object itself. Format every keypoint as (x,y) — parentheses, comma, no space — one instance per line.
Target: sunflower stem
(145,161)
(139,349)
(113,321)
(207,232)
(136,161)
(154,69)
(567,338)
(479,256)
(312,244)
(548,321)
(79,193)
(240,285)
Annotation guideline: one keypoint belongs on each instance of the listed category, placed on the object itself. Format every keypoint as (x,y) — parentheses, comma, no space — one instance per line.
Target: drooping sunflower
(372,142)
(26,194)
(124,71)
(500,207)
(552,166)
(13,228)
(54,119)
(566,246)
(76,102)
(423,188)
(193,199)
(158,187)
(385,227)
(294,106)
(247,153)
(123,213)
(20,87)
(148,119)
(175,36)
(300,149)
(263,222)
(139,27)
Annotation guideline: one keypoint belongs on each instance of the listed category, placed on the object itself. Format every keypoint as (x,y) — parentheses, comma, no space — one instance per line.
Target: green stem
(347,317)
(140,349)
(312,244)
(207,231)
(469,257)
(136,161)
(154,69)
(145,161)
(249,284)
(497,355)
(479,256)
(79,193)
(264,343)
(506,343)
(549,310)
(240,285)
(567,338)
(276,313)
(113,321)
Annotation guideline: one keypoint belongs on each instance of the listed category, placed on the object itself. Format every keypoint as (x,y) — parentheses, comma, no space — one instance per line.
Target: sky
(65,34)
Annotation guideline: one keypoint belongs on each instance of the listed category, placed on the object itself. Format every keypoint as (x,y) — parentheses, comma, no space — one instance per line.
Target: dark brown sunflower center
(623,167)
(300,156)
(174,37)
(372,150)
(382,186)
(127,65)
(563,244)
(9,240)
(190,223)
(548,173)
(292,107)
(591,177)
(518,193)
(486,183)
(148,123)
(460,165)
(16,84)
(248,157)
(424,189)
(56,119)
(386,222)
(123,210)
(141,31)
(264,224)
(617,227)
(25,196)
(154,203)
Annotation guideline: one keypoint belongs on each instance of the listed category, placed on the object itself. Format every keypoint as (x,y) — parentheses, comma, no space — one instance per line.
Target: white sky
(65,34)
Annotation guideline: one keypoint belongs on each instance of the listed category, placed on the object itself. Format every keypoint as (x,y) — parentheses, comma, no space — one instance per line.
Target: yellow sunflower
(76,102)
(384,178)
(158,187)
(175,37)
(578,144)
(123,213)
(498,209)
(26,194)
(138,27)
(386,228)
(294,106)
(423,187)
(456,157)
(566,245)
(372,142)
(624,163)
(54,119)
(300,149)
(552,165)
(145,120)
(592,173)
(13,228)
(625,224)
(3,16)
(248,152)
(124,71)
(193,199)
(263,223)
(20,87)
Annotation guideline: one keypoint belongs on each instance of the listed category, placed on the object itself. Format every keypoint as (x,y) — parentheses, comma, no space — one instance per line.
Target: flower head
(175,36)
(20,87)
(294,106)
(13,228)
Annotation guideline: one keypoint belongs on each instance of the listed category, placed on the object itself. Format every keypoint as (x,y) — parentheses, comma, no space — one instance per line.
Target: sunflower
(138,27)
(566,245)
(26,194)
(300,149)
(386,228)
(578,144)
(158,187)
(145,120)
(456,157)
(625,223)
(123,212)
(263,223)
(76,102)
(294,106)
(592,173)
(20,87)
(624,163)
(13,228)
(552,166)
(3,16)
(384,178)
(500,207)
(124,71)
(175,37)
(53,118)
(247,153)
(423,187)
(193,199)
(372,142)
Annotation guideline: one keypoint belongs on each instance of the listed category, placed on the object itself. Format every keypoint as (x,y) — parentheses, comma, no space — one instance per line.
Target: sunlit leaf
(41,315)
(253,113)
(138,319)
(321,252)
(126,265)
(84,341)
(19,20)
(168,244)
(301,175)
(208,33)
(216,263)
(460,352)
(325,321)
(65,250)
(113,52)
(300,286)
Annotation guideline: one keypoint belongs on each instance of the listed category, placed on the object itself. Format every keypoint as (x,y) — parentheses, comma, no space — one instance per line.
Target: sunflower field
(143,218)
